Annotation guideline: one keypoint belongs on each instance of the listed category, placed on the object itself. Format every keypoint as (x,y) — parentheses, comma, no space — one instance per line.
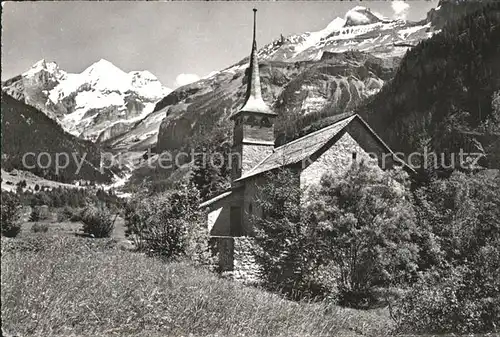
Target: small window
(354,156)
(265,122)
(251,120)
(250,208)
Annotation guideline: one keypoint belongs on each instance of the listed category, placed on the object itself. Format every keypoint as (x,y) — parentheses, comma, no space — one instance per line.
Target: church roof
(253,99)
(214,199)
(299,149)
(306,146)
(303,148)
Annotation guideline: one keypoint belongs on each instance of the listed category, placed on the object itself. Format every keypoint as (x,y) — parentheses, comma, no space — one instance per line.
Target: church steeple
(253,133)
(253,99)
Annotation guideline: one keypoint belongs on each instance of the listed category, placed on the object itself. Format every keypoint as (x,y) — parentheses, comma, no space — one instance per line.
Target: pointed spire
(253,88)
(253,99)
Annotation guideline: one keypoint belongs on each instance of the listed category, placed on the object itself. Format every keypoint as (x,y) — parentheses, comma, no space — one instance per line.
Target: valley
(307,78)
(342,181)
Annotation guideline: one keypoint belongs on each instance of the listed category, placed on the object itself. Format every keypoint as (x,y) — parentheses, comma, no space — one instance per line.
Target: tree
(98,221)
(360,227)
(287,249)
(170,224)
(211,171)
(459,289)
(10,214)
(365,223)
(458,63)
(462,213)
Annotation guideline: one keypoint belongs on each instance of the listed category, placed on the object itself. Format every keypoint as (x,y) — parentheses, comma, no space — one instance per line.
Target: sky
(176,41)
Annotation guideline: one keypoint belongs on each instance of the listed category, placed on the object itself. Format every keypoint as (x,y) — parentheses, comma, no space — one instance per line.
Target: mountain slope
(360,30)
(449,11)
(339,82)
(445,93)
(99,103)
(27,131)
(335,68)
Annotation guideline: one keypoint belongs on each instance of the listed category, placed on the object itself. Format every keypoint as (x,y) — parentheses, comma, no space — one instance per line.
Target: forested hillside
(25,129)
(445,93)
(441,96)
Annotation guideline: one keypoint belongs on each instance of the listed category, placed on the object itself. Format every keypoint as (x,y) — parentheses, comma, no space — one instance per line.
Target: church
(331,149)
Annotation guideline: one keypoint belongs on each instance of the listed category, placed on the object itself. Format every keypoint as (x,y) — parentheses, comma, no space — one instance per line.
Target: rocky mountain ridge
(360,30)
(304,77)
(301,74)
(99,103)
(336,68)
(445,96)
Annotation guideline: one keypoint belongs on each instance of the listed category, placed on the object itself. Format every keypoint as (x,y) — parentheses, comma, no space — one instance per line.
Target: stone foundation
(236,257)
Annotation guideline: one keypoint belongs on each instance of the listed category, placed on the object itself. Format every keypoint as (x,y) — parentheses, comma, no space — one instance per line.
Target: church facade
(331,149)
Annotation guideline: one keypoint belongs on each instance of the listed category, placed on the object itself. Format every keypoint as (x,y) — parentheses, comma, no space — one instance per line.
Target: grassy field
(73,286)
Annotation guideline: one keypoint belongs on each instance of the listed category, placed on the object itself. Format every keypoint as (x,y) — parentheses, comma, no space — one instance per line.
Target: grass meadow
(57,284)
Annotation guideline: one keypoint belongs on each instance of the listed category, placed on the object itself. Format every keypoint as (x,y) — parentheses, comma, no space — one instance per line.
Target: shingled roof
(298,149)
(303,148)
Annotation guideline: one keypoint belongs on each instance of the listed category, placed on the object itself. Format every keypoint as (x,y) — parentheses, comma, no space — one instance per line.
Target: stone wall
(246,268)
(250,203)
(339,157)
(236,257)
(370,144)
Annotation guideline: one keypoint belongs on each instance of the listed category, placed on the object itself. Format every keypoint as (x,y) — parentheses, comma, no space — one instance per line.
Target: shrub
(40,213)
(134,215)
(62,215)
(460,259)
(97,221)
(40,228)
(10,214)
(364,222)
(450,303)
(76,215)
(287,253)
(169,224)
(359,226)
(69,213)
(462,213)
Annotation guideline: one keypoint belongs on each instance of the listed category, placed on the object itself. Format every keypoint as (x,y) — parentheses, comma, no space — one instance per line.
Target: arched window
(265,122)
(251,120)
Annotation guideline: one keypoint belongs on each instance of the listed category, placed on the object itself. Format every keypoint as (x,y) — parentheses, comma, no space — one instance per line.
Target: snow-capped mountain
(360,29)
(100,103)
(301,74)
